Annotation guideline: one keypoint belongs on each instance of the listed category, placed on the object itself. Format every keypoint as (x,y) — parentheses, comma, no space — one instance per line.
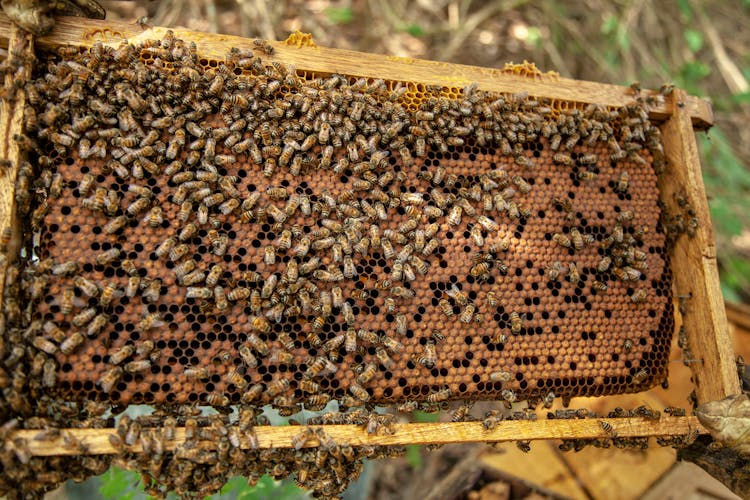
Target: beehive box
(209,229)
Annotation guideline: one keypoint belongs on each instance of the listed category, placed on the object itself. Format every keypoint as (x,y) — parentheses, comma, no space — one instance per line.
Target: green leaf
(741,98)
(415,30)
(729,292)
(339,15)
(609,25)
(685,9)
(414,456)
(420,416)
(623,39)
(235,485)
(534,37)
(690,74)
(694,40)
(722,213)
(119,484)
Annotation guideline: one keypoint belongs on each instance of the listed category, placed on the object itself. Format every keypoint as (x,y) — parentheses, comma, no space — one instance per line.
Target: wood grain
(21,46)
(694,263)
(96,441)
(86,32)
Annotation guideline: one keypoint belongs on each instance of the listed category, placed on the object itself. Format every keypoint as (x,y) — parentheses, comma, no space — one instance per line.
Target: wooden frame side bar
(86,32)
(694,264)
(96,441)
(20,47)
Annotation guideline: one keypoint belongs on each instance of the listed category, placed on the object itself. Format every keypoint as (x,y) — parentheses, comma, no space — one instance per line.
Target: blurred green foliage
(118,484)
(339,15)
(414,452)
(122,485)
(726,177)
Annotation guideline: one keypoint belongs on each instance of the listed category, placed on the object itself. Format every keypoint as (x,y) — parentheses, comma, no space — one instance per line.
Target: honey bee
(138,366)
(247,357)
(454,216)
(259,345)
(625,216)
(392,345)
(277,387)
(562,240)
(97,325)
(358,392)
(214,399)
(301,439)
(364,335)
(617,233)
(71,343)
(384,358)
(480,269)
(350,270)
(573,275)
(456,294)
(87,182)
(639,296)
(563,159)
(108,381)
(675,412)
(235,378)
(487,223)
(467,314)
(149,321)
(65,269)
(640,376)
(430,247)
(446,307)
(109,292)
(138,206)
(491,420)
(152,291)
(516,323)
(599,286)
(604,264)
(195,292)
(439,396)
(607,428)
(44,345)
(119,356)
(428,358)
(508,395)
(587,175)
(66,303)
(476,235)
(54,331)
(576,238)
(622,182)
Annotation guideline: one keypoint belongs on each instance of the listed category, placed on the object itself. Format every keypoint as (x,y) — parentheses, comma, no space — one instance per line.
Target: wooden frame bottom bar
(96,441)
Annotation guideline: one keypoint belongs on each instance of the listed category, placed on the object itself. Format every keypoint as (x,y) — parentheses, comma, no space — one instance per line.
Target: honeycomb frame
(683,118)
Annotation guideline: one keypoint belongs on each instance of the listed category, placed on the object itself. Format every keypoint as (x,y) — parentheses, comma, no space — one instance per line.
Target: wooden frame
(715,376)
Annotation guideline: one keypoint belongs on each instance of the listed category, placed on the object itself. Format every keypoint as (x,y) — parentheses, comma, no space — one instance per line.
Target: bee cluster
(612,439)
(256,235)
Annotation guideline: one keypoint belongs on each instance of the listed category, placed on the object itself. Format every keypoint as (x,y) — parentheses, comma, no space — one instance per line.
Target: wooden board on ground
(688,481)
(543,466)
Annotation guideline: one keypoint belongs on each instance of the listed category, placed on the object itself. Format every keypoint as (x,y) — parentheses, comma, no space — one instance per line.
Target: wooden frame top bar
(96,441)
(308,57)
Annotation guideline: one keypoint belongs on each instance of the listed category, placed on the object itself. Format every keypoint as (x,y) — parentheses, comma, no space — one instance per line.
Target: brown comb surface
(483,295)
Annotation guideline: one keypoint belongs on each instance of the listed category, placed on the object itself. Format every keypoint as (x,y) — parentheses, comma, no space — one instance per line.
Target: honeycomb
(225,232)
